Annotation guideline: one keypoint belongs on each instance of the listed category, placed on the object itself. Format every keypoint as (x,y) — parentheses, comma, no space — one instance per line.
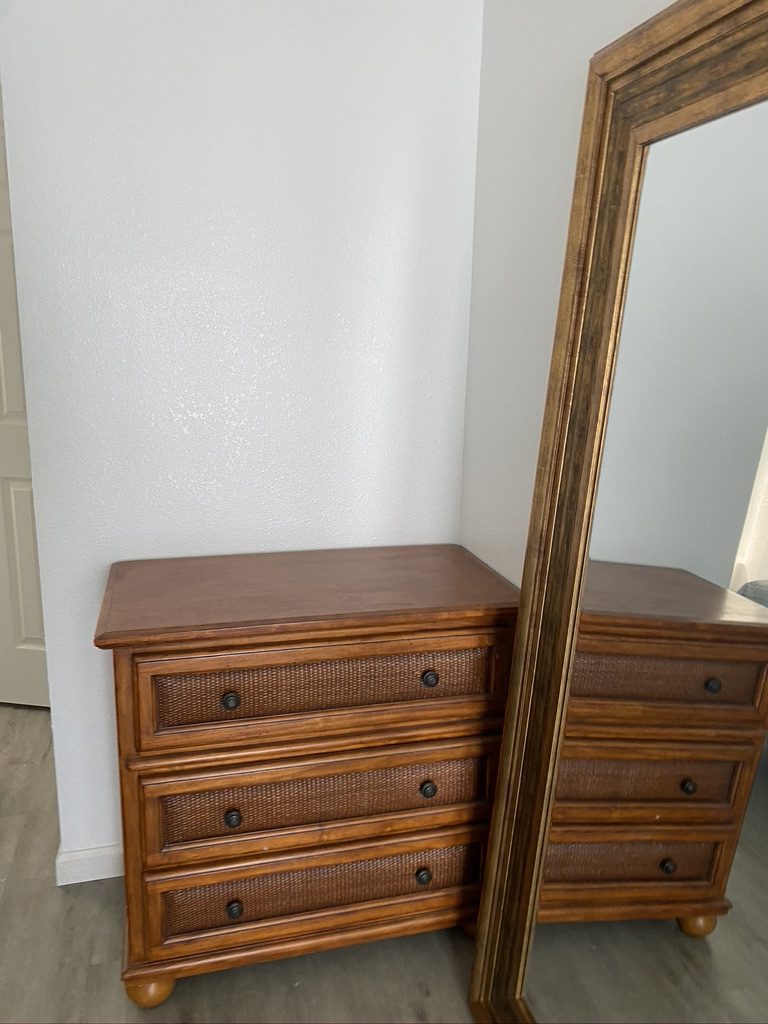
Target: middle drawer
(292,804)
(665,781)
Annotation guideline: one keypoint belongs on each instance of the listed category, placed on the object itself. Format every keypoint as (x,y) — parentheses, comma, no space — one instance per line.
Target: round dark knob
(713,685)
(234,910)
(230,700)
(423,876)
(233,819)
(688,786)
(428,789)
(668,866)
(430,678)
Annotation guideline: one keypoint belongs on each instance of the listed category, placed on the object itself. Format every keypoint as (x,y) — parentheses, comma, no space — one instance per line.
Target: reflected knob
(233,819)
(430,678)
(668,866)
(423,876)
(713,685)
(230,700)
(688,786)
(234,910)
(428,789)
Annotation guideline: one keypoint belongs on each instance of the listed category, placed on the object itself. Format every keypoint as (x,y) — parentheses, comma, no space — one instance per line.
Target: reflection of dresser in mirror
(664,728)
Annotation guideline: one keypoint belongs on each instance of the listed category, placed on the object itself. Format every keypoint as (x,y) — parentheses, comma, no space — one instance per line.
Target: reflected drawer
(216,699)
(645,780)
(638,678)
(648,861)
(601,780)
(290,896)
(319,800)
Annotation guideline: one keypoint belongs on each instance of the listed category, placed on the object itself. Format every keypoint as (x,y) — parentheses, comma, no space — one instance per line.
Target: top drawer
(629,677)
(267,695)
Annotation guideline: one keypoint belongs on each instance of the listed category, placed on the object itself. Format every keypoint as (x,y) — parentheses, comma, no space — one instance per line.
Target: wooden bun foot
(149,993)
(697,927)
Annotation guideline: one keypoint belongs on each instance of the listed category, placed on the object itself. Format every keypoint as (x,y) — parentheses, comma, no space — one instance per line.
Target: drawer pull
(430,678)
(234,910)
(230,700)
(668,866)
(688,786)
(713,685)
(428,789)
(233,819)
(423,876)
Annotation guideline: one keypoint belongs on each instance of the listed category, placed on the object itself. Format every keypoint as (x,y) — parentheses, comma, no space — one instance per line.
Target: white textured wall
(690,404)
(534,73)
(243,238)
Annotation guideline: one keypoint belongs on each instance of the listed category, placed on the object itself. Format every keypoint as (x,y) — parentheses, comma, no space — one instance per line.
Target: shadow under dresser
(307,749)
(665,724)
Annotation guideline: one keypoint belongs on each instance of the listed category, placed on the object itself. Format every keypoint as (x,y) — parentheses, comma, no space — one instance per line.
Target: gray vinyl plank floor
(60,948)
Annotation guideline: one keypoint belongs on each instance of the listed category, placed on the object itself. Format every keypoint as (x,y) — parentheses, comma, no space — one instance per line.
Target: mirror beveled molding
(695,61)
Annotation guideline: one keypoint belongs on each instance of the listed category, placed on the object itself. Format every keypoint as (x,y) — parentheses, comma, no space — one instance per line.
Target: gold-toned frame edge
(695,61)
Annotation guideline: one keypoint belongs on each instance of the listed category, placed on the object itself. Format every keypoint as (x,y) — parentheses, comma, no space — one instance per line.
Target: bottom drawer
(627,873)
(629,861)
(298,895)
(288,893)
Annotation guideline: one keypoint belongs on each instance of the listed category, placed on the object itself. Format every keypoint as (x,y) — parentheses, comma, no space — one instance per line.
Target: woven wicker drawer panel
(582,779)
(194,698)
(628,861)
(312,799)
(630,677)
(287,893)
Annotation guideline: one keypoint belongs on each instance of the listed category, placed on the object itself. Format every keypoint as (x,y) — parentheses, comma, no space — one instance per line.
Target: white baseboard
(87,865)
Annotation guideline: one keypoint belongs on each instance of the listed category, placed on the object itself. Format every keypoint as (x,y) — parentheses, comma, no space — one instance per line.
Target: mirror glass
(661,808)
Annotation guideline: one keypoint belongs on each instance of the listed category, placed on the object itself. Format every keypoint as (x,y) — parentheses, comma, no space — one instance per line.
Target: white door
(22,655)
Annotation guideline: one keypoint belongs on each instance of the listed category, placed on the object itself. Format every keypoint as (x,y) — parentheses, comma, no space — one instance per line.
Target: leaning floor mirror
(626,866)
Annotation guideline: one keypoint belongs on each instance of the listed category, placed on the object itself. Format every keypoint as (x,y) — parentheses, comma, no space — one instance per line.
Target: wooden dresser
(307,745)
(664,729)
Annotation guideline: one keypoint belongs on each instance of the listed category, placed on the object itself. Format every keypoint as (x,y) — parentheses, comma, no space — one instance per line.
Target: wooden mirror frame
(695,61)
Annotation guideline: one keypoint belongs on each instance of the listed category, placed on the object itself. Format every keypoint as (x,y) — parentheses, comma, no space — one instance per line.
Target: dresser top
(216,596)
(625,593)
